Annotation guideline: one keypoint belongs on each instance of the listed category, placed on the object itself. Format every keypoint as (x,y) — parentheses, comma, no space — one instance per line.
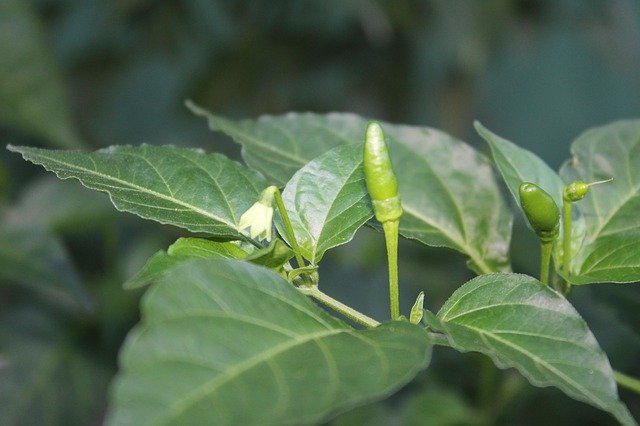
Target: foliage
(215,332)
(92,74)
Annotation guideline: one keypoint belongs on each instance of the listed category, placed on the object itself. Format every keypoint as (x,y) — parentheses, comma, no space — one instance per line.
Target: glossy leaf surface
(228,342)
(448,191)
(611,248)
(182,187)
(520,323)
(327,201)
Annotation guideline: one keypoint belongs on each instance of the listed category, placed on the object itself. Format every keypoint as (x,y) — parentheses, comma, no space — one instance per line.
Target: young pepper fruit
(379,176)
(541,211)
(383,188)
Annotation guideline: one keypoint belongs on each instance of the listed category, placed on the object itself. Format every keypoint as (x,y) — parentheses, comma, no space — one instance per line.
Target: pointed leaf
(228,342)
(183,249)
(521,323)
(448,190)
(327,201)
(611,248)
(274,256)
(32,94)
(519,165)
(176,186)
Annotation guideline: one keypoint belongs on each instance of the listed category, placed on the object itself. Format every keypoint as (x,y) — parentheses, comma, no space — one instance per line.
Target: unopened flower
(259,217)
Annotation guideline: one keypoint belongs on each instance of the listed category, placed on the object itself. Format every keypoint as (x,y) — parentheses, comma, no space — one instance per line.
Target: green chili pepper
(541,211)
(383,187)
(379,176)
(575,191)
(544,217)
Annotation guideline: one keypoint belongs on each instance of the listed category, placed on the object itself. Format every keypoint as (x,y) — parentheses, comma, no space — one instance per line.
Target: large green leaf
(521,323)
(327,201)
(46,378)
(228,342)
(182,187)
(178,252)
(611,248)
(519,165)
(32,95)
(449,194)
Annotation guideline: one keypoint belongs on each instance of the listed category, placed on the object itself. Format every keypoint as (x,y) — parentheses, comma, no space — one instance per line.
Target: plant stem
(545,260)
(338,306)
(566,238)
(391,238)
(289,228)
(439,339)
(627,382)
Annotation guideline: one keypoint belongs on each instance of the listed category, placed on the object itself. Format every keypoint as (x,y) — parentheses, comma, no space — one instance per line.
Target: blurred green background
(93,73)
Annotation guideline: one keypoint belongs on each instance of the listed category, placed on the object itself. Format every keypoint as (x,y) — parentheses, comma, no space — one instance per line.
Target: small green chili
(383,187)
(541,211)
(544,217)
(379,176)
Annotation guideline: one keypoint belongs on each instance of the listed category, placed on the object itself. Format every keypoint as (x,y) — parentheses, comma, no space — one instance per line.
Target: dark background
(93,73)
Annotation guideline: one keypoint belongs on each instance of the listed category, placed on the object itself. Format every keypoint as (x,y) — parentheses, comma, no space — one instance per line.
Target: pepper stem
(391,238)
(545,260)
(566,237)
(338,306)
(289,228)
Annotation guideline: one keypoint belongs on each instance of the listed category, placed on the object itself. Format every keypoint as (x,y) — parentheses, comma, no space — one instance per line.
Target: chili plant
(233,329)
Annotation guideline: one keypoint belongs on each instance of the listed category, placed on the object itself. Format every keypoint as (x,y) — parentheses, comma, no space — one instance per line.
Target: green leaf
(176,186)
(32,93)
(34,258)
(274,256)
(278,146)
(327,201)
(47,379)
(519,165)
(183,249)
(228,342)
(521,323)
(611,248)
(448,191)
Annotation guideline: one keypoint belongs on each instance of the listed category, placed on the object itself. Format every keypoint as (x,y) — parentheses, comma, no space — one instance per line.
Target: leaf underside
(611,248)
(228,342)
(448,191)
(521,323)
(327,201)
(176,186)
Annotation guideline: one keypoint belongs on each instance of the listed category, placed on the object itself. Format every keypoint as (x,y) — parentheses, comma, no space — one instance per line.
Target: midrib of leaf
(213,385)
(134,186)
